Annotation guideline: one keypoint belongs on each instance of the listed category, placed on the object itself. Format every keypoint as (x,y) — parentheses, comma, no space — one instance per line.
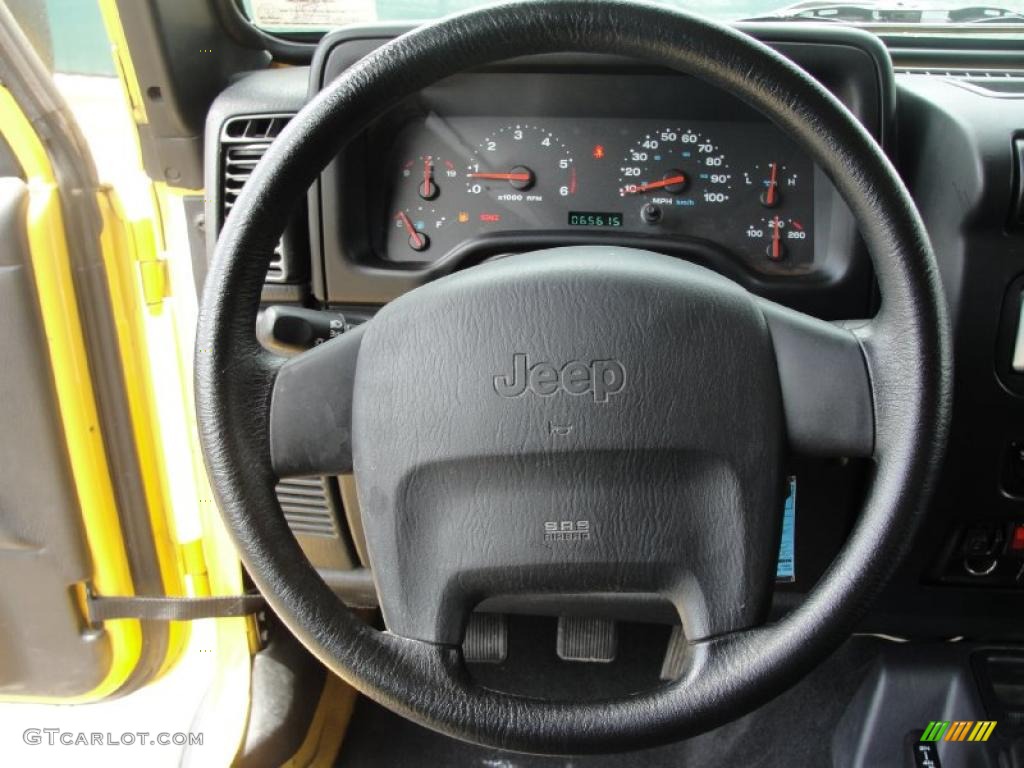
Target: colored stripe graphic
(958,730)
(982,730)
(935,731)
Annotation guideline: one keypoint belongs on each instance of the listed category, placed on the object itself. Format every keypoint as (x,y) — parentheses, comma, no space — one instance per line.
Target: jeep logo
(601,378)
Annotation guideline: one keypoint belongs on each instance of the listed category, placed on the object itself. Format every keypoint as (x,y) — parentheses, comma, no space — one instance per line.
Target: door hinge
(154,282)
(152,269)
(193,560)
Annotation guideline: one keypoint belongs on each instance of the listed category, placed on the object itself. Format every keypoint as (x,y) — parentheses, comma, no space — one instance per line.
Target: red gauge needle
(670,181)
(428,173)
(521,176)
(776,239)
(769,197)
(417,240)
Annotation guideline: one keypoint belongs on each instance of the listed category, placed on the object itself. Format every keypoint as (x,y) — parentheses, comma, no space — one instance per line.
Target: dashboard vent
(996,82)
(244,141)
(962,74)
(306,506)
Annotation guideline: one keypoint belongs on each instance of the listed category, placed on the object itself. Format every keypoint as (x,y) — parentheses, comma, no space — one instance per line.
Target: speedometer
(674,168)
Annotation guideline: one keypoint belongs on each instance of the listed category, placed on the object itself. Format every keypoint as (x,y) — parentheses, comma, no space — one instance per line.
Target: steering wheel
(575,420)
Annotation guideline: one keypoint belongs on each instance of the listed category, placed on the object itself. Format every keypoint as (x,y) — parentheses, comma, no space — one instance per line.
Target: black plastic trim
(182,61)
(347,269)
(247,34)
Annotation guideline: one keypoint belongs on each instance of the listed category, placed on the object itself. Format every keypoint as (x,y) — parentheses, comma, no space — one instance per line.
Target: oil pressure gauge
(429,173)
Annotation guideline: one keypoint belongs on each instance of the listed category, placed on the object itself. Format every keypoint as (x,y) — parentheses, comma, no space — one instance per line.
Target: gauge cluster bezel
(350,200)
(468,212)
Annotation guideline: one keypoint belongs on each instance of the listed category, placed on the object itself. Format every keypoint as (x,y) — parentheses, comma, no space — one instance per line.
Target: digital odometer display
(594,219)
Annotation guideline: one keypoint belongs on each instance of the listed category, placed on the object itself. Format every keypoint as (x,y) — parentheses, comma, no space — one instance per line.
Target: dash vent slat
(961,73)
(244,141)
(306,507)
(1004,82)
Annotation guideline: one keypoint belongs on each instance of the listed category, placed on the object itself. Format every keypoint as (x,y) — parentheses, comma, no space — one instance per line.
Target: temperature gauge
(781,239)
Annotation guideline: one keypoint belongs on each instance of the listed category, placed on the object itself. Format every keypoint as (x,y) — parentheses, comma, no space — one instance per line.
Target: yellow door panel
(73,386)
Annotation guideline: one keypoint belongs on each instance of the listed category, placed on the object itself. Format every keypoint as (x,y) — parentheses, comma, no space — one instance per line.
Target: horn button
(577,420)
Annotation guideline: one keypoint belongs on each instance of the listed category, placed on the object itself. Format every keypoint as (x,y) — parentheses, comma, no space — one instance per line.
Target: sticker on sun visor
(286,15)
(786,569)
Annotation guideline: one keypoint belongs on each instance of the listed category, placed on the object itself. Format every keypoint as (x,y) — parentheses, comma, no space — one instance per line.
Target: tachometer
(674,168)
(522,163)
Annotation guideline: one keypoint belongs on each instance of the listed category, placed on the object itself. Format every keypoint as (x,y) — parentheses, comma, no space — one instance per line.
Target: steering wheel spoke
(311,409)
(827,394)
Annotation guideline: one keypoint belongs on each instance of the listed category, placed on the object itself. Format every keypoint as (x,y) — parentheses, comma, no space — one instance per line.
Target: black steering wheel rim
(906,347)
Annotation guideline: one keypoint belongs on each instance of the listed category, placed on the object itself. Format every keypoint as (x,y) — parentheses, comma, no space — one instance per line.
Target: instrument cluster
(736,186)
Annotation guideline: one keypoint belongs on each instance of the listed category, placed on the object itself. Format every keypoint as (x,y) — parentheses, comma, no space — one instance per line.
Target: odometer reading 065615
(594,219)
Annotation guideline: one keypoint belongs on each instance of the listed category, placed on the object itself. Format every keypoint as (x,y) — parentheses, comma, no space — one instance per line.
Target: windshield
(1005,17)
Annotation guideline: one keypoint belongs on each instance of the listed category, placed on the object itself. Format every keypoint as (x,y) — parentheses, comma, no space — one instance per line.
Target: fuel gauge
(415,223)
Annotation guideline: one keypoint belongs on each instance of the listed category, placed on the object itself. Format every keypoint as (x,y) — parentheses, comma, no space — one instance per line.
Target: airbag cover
(588,419)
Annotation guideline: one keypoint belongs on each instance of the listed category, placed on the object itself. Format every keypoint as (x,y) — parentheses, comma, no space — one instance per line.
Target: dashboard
(557,150)
(568,149)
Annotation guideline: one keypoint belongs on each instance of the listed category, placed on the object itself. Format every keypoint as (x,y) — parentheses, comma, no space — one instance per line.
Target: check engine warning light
(598,151)
(463,217)
(490,218)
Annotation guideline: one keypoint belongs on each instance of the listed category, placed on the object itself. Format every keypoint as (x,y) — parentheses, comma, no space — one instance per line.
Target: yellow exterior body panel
(206,555)
(123,60)
(73,386)
(211,558)
(123,243)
